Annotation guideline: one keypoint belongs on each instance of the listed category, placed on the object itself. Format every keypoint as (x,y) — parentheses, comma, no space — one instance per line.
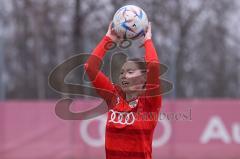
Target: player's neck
(130,96)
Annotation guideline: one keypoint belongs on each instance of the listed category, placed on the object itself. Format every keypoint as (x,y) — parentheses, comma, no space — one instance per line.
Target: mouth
(124,83)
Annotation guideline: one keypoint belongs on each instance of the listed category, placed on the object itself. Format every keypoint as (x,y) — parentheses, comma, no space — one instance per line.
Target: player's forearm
(92,65)
(102,84)
(100,50)
(98,53)
(150,51)
(153,66)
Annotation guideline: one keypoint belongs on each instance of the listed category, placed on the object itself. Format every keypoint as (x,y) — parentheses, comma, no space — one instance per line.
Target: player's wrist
(110,37)
(147,40)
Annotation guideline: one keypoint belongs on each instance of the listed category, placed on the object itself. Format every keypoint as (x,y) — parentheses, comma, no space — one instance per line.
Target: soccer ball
(130,22)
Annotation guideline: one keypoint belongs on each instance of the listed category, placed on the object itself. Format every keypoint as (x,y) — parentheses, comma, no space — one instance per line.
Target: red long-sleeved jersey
(129,131)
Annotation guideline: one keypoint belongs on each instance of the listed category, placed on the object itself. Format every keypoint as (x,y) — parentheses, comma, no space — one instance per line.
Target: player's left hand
(148,34)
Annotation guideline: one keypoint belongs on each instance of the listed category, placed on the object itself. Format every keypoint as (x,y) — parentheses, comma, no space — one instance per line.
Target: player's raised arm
(153,69)
(102,84)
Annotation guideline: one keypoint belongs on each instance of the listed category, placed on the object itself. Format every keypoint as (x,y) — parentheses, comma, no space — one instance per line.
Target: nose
(123,76)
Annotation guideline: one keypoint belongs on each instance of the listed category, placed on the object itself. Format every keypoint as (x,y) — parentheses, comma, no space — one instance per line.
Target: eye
(130,72)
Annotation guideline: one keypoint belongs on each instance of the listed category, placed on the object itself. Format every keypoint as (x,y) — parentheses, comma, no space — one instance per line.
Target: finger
(110,26)
(113,32)
(146,29)
(150,26)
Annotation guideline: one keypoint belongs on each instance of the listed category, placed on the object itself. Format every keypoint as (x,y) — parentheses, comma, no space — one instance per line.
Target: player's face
(131,77)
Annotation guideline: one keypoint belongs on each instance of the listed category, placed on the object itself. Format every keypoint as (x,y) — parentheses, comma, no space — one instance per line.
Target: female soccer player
(128,135)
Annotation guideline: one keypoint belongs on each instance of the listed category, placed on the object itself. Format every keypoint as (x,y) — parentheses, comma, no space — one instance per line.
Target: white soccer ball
(130,22)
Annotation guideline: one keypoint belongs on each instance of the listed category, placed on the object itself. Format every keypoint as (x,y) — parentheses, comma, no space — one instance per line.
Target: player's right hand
(111,33)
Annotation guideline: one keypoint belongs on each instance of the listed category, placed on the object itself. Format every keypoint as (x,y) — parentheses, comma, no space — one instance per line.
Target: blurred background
(197,39)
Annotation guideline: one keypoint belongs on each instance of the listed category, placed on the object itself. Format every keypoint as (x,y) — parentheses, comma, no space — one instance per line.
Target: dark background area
(197,39)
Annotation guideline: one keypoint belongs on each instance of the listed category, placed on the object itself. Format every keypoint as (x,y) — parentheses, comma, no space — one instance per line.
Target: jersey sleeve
(152,94)
(99,80)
